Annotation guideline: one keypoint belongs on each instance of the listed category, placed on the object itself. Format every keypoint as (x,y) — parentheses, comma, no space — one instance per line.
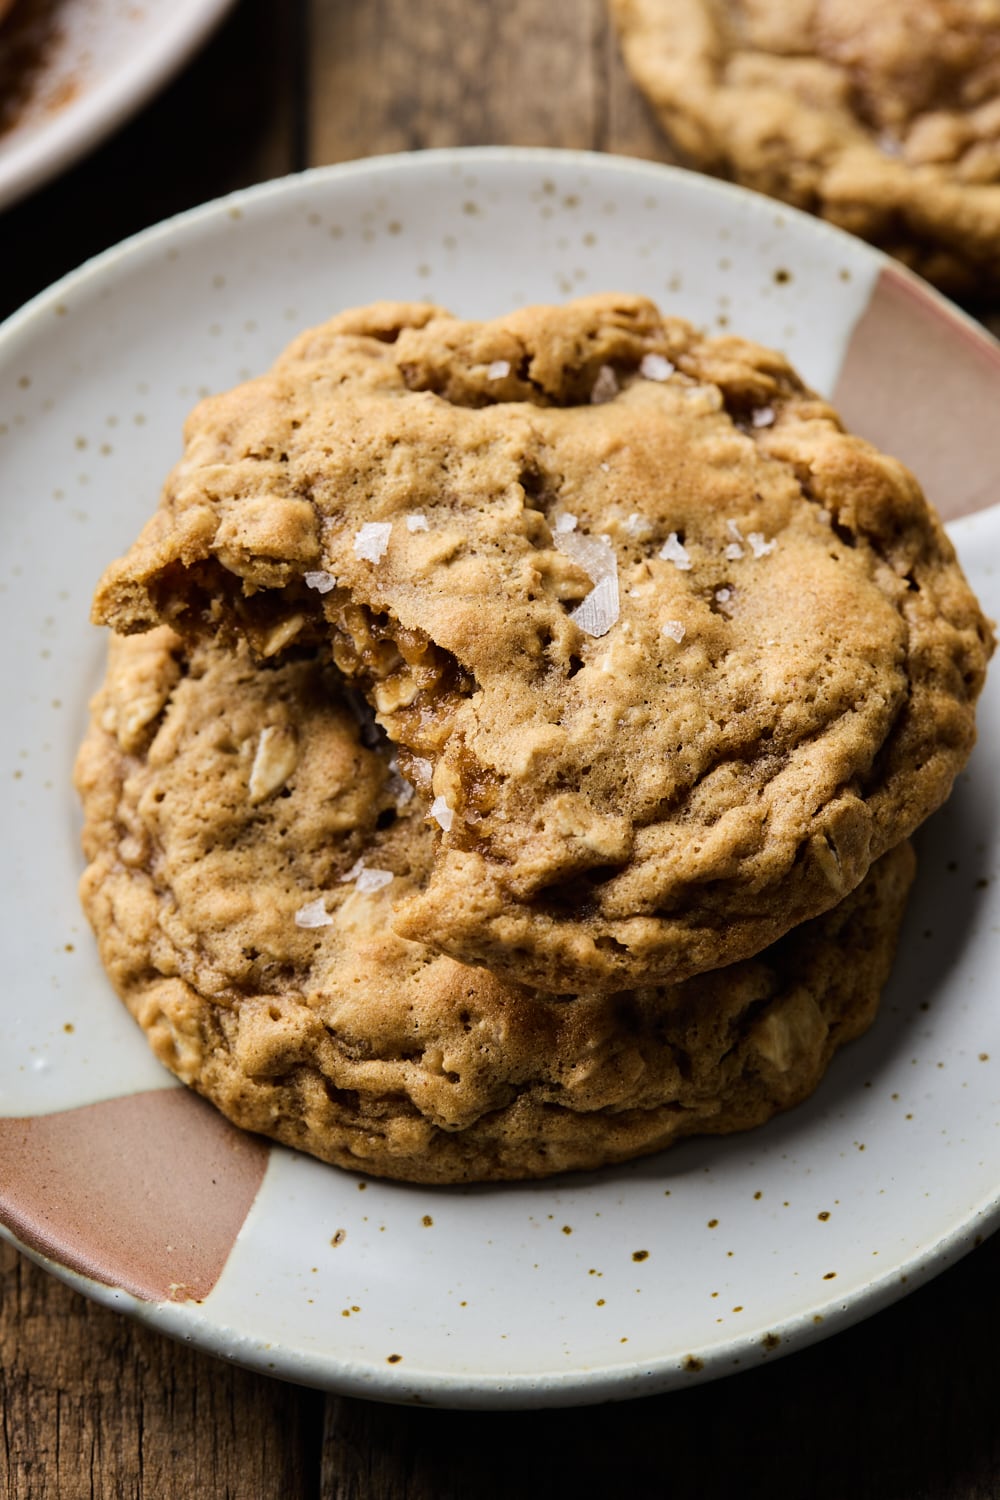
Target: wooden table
(903,1407)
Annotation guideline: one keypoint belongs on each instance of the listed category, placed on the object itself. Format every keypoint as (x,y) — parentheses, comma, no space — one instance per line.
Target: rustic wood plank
(389,75)
(232,118)
(902,1407)
(632,128)
(92,1406)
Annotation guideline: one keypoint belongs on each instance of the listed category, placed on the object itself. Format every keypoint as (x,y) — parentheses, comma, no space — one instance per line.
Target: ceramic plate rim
(75,130)
(555,1387)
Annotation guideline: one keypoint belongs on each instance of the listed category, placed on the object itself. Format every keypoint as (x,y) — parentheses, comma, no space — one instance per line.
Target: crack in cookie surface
(688,648)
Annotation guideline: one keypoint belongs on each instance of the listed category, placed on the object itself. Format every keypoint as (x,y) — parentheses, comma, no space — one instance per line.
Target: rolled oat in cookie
(244,916)
(673,667)
(882,117)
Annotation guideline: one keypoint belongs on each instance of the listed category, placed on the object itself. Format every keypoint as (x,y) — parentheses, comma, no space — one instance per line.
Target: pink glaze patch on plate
(924,384)
(146,1193)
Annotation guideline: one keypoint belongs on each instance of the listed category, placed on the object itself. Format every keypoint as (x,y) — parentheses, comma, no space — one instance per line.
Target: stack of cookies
(511,736)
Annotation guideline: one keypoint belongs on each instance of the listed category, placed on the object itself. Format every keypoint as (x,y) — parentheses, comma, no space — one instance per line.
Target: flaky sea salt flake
(674,629)
(763,416)
(321,581)
(564,522)
(598,610)
(373,880)
(398,786)
(733,552)
(498,370)
(372,541)
(723,595)
(442,814)
(675,551)
(313,914)
(353,872)
(596,613)
(416,521)
(758,546)
(605,387)
(655,367)
(733,529)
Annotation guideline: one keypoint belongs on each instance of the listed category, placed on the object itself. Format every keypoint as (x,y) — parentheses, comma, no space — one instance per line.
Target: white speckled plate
(685,1266)
(71,71)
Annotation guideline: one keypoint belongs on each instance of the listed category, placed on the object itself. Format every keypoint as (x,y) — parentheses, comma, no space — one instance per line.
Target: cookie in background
(883,119)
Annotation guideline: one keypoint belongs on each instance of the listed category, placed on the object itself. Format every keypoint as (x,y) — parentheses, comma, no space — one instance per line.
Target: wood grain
(389,75)
(94,1406)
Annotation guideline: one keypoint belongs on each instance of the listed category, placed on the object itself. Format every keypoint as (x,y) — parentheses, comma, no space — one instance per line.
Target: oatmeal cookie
(245,848)
(674,658)
(883,118)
